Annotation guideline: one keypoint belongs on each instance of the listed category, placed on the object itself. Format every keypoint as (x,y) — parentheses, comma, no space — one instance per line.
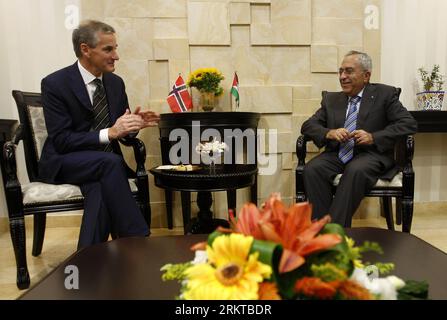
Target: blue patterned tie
(346,151)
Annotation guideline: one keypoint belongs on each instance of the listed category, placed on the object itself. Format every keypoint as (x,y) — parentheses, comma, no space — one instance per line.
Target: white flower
(200,257)
(214,146)
(385,288)
(398,282)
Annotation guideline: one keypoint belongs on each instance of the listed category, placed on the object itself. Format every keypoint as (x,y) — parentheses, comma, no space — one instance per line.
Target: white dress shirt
(91,87)
(360,94)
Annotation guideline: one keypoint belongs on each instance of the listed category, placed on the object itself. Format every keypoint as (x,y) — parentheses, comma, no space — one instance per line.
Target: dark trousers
(108,204)
(359,176)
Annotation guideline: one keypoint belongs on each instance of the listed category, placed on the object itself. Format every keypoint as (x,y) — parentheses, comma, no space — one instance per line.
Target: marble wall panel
(159,105)
(280,122)
(324,58)
(166,49)
(240,13)
(135,76)
(208,23)
(302,92)
(281,181)
(266,99)
(289,65)
(240,36)
(282,23)
(337,31)
(324,82)
(158,78)
(176,68)
(92,10)
(173,28)
(167,8)
(287,161)
(347,9)
(134,37)
(127,9)
(305,106)
(260,13)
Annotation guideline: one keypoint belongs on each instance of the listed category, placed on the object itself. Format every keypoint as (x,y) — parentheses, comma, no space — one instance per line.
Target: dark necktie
(100,111)
(346,151)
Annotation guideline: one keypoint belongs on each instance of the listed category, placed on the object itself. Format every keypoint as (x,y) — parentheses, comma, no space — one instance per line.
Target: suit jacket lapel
(367,103)
(78,86)
(341,106)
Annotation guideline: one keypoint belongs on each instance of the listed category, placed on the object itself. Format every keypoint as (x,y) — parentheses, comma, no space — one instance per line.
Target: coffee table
(129,268)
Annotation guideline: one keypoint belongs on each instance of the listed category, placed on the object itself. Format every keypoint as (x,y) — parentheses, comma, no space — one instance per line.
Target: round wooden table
(227,178)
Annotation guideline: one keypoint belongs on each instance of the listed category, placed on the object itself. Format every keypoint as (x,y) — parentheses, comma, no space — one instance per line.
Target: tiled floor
(60,242)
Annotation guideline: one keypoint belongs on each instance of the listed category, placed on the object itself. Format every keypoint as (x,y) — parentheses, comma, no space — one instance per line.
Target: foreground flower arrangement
(280,253)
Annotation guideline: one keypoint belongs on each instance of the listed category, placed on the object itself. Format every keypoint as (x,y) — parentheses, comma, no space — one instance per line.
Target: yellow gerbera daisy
(231,272)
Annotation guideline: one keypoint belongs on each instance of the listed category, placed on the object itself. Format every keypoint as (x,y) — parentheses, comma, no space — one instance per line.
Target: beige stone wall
(285,52)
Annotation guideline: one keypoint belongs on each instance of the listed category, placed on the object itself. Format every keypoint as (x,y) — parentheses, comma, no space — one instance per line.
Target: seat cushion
(44,193)
(396,182)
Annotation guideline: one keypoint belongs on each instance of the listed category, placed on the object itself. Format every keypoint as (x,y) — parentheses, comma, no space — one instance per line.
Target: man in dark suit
(358,128)
(86,110)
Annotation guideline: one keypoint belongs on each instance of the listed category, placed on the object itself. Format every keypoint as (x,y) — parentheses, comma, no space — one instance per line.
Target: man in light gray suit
(358,127)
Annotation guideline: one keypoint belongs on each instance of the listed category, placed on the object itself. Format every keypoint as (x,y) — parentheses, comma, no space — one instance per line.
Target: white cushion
(42,193)
(396,182)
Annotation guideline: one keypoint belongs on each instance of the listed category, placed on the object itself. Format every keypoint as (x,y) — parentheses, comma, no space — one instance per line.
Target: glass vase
(207,101)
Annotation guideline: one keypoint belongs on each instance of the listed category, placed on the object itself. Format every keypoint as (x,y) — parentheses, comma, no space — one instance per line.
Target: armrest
(301,149)
(408,155)
(139,151)
(9,157)
(13,189)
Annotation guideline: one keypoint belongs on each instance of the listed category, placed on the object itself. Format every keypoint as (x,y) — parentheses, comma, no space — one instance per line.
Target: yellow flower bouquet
(206,80)
(278,253)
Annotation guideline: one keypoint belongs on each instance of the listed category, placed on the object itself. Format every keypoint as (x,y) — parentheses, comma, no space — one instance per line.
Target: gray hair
(87,32)
(364,59)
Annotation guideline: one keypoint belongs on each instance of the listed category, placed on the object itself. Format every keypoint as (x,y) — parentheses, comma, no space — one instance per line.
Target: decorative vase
(207,101)
(430,100)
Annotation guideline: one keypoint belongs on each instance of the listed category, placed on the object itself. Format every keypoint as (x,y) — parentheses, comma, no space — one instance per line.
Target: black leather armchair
(39,198)
(400,187)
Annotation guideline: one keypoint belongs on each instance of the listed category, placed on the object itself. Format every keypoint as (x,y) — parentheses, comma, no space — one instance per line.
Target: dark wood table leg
(254,191)
(168,200)
(186,209)
(231,200)
(204,223)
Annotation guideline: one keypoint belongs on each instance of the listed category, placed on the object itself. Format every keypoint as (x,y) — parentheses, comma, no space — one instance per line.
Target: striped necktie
(346,151)
(100,111)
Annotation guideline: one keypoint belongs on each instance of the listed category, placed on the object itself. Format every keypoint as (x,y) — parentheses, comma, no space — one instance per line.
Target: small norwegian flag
(179,99)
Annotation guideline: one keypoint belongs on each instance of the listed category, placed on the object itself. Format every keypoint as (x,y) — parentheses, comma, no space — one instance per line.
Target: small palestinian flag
(235,89)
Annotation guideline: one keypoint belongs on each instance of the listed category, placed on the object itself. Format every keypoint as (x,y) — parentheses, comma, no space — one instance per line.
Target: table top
(223,177)
(431,120)
(129,268)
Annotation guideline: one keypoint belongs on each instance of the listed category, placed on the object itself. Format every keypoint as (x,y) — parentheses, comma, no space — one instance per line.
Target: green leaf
(413,290)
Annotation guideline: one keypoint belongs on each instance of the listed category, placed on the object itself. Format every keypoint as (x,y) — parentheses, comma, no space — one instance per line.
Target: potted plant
(432,96)
(207,81)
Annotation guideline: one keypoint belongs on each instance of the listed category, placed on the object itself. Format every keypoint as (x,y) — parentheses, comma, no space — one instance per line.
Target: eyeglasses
(348,71)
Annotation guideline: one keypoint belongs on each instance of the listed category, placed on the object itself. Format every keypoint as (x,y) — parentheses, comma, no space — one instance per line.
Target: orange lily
(292,228)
